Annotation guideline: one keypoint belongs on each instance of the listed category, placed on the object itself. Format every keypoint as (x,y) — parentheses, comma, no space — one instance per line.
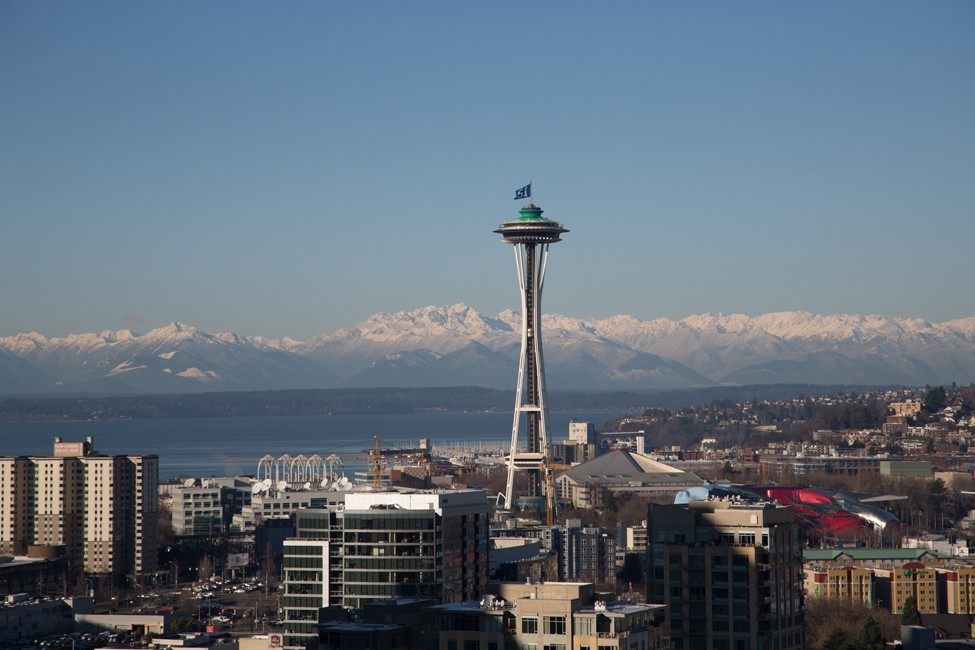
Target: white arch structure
(299,469)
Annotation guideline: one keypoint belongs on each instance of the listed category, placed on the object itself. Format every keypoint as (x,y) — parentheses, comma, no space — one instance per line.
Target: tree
(909,614)
(205,569)
(268,568)
(935,400)
(632,570)
(837,640)
(937,495)
(870,637)
(165,536)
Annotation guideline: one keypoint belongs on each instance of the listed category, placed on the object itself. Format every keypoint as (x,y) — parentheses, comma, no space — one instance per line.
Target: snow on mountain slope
(455,344)
(174,358)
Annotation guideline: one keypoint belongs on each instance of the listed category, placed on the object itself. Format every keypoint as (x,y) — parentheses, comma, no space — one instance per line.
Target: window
(529,625)
(554,625)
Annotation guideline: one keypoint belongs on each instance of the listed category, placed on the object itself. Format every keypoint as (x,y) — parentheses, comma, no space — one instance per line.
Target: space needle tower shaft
(531,234)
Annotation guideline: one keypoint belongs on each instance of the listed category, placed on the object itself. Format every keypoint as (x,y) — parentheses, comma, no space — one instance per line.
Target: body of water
(205,446)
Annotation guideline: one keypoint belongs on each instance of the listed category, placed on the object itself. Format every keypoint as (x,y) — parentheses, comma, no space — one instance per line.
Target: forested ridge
(352,401)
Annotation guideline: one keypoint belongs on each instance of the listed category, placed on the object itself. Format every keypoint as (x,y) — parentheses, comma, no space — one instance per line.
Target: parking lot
(236,606)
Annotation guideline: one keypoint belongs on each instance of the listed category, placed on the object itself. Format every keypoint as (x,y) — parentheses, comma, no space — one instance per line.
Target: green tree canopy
(910,614)
(870,637)
(935,400)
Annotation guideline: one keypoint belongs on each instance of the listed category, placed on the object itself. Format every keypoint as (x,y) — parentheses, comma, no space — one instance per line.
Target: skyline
(288,172)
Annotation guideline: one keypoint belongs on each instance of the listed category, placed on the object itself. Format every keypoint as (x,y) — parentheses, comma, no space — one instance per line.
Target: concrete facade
(729,573)
(104,510)
(559,615)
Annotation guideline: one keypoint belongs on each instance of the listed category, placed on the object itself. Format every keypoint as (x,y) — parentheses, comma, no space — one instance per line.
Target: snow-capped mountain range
(456,345)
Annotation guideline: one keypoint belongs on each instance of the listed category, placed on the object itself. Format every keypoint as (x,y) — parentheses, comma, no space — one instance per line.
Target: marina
(224,446)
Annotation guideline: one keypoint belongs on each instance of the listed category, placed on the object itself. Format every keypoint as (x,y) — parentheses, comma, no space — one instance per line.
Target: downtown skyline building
(103,511)
(730,573)
(368,547)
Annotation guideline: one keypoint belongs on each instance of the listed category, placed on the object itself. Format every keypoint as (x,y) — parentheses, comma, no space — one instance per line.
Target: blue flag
(524,193)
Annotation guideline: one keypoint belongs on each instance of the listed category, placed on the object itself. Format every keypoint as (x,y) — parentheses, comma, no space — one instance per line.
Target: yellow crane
(377,467)
(550,499)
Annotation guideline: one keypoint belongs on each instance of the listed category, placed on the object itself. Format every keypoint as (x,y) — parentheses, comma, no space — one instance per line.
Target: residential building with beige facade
(848,584)
(959,589)
(912,580)
(908,408)
(552,616)
(103,510)
(729,572)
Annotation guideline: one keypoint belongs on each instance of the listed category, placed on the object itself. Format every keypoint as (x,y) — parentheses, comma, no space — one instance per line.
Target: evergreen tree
(835,641)
(870,637)
(910,614)
(935,400)
(936,498)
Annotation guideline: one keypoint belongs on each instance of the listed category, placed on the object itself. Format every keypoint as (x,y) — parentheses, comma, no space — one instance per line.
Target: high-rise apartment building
(381,545)
(587,553)
(730,573)
(103,510)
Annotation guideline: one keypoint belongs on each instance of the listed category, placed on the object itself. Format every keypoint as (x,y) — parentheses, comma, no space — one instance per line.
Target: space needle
(531,234)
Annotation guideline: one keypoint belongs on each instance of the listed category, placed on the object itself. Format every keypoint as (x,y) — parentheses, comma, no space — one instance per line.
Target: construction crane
(377,467)
(550,500)
(549,497)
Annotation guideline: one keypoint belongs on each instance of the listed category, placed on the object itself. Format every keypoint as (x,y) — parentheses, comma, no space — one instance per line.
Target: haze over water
(202,446)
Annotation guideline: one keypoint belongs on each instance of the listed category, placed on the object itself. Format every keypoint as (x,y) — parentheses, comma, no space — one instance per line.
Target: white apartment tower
(103,510)
(582,432)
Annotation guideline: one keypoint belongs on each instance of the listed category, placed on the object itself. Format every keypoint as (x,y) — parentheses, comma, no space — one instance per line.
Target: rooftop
(829,554)
(626,467)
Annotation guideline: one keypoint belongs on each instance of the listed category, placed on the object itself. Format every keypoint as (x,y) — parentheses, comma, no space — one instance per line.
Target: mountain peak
(434,342)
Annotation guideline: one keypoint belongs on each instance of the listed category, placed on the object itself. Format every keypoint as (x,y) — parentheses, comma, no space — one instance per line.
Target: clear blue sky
(291,168)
